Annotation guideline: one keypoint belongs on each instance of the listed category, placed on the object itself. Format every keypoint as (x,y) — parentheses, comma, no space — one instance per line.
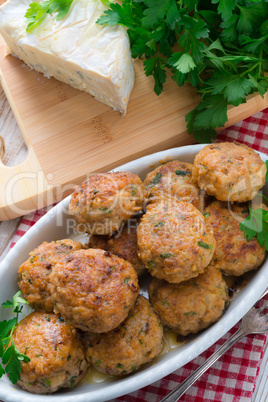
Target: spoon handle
(174,395)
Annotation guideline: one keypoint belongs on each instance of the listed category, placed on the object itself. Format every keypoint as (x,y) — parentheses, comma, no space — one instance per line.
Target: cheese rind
(90,57)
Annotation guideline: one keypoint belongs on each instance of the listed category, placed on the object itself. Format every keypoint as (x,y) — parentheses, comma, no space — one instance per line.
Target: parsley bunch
(10,355)
(218,46)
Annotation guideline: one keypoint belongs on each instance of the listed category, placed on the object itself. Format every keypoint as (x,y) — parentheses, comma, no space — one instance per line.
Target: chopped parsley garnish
(157,224)
(182,172)
(166,255)
(151,264)
(190,313)
(119,365)
(204,245)
(156,180)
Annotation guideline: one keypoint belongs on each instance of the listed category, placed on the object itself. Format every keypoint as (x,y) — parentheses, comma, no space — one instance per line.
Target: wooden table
(15,152)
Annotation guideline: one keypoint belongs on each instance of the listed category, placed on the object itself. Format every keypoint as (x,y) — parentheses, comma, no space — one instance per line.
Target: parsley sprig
(220,47)
(37,12)
(10,355)
(256,224)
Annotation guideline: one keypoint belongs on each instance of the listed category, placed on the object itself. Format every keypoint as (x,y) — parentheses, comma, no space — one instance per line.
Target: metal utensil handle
(174,395)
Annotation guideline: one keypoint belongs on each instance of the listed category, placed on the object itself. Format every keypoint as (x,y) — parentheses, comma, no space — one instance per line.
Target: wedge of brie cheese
(90,57)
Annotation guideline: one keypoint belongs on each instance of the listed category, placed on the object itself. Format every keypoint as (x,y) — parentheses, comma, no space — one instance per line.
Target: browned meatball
(94,289)
(56,352)
(34,274)
(104,201)
(123,243)
(173,180)
(189,307)
(137,341)
(174,241)
(234,255)
(229,171)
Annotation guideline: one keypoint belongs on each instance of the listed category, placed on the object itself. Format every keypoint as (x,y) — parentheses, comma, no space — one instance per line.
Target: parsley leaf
(225,7)
(256,224)
(156,67)
(10,355)
(182,62)
(37,12)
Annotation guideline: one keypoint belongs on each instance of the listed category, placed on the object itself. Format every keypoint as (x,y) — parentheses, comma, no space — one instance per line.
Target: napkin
(233,377)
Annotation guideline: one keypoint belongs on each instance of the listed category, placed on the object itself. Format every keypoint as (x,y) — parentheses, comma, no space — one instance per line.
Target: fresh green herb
(157,224)
(204,245)
(164,302)
(37,12)
(190,313)
(10,355)
(46,382)
(156,179)
(119,365)
(166,255)
(126,280)
(182,172)
(256,224)
(206,214)
(151,264)
(219,47)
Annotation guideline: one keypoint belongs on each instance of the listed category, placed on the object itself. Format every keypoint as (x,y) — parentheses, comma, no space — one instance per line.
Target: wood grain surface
(70,135)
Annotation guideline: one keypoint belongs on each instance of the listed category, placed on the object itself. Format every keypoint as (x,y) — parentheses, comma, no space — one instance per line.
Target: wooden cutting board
(70,135)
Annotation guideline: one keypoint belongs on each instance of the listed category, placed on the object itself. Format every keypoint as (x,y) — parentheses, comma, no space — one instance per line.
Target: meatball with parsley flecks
(135,342)
(56,352)
(174,241)
(234,254)
(34,274)
(106,200)
(229,171)
(123,243)
(94,289)
(173,180)
(189,307)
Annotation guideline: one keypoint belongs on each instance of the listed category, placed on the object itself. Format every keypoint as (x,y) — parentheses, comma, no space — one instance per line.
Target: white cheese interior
(75,50)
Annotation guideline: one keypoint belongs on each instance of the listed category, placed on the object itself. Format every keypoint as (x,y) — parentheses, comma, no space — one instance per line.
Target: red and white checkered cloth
(233,377)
